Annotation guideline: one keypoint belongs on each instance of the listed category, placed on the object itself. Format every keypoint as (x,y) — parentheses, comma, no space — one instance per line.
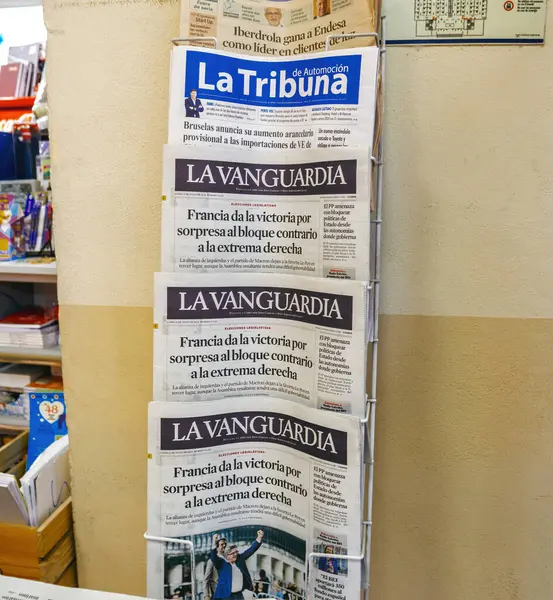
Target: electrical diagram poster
(465,21)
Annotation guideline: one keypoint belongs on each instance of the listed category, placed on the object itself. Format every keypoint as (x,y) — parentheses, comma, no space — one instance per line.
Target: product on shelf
(19,375)
(47,415)
(11,228)
(32,327)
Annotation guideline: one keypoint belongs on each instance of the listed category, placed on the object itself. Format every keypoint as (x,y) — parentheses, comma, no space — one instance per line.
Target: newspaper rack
(369,419)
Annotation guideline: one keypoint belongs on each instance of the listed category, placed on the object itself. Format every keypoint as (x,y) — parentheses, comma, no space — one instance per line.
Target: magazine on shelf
(258,483)
(279,28)
(288,336)
(311,101)
(305,213)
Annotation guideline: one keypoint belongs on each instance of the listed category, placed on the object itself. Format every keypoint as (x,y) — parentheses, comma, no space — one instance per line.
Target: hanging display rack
(368,422)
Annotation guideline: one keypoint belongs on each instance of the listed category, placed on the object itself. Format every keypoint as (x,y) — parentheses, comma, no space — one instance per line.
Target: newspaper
(258,483)
(279,28)
(305,213)
(288,336)
(14,588)
(316,101)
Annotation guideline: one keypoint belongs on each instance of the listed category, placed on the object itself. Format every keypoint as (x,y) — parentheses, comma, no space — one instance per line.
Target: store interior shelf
(28,270)
(31,356)
(13,108)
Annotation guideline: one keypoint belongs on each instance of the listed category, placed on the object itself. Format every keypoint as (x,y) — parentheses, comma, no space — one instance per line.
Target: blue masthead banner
(313,81)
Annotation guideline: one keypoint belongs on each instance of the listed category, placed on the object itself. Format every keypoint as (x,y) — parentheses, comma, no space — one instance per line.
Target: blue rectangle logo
(307,82)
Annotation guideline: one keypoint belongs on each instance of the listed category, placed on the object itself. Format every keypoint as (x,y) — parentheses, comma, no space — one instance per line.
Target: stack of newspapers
(262,315)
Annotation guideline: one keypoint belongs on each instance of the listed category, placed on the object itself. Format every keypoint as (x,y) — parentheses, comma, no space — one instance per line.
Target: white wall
(20,26)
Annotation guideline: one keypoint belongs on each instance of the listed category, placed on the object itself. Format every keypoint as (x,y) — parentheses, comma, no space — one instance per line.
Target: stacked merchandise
(14,403)
(22,74)
(262,316)
(22,81)
(26,222)
(32,327)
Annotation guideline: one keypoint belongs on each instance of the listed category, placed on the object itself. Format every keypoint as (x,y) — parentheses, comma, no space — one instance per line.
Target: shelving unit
(31,356)
(13,108)
(28,270)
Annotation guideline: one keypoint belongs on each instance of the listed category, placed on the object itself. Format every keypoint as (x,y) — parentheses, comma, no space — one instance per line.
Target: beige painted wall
(464,467)
(108,65)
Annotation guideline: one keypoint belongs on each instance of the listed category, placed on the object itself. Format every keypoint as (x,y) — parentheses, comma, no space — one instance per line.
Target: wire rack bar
(377,221)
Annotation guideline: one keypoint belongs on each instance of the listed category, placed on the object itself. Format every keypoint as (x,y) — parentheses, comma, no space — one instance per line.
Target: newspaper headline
(293,337)
(305,214)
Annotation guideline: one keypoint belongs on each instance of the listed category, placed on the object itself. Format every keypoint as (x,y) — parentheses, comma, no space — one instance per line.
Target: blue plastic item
(7,157)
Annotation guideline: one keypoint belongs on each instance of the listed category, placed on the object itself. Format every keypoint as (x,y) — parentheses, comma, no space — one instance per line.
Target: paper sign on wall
(465,21)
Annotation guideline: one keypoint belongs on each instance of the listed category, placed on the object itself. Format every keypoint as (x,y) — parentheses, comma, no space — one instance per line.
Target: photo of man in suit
(193,105)
(210,573)
(328,565)
(232,570)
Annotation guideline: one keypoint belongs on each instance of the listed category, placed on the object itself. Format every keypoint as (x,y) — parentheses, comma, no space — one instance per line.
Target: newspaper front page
(288,336)
(256,484)
(313,101)
(279,28)
(266,211)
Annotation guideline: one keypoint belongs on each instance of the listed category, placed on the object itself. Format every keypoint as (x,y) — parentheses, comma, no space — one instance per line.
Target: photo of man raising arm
(233,574)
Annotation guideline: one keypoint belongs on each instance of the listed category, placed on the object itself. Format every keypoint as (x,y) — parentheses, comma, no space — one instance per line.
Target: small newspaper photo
(279,28)
(304,213)
(313,101)
(288,336)
(253,486)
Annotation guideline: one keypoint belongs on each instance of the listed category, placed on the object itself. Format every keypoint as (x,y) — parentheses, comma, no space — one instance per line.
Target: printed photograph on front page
(330,544)
(250,561)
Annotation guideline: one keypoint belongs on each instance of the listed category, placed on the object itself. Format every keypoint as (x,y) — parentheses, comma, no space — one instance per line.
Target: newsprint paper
(14,588)
(316,101)
(256,484)
(279,28)
(305,213)
(288,336)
